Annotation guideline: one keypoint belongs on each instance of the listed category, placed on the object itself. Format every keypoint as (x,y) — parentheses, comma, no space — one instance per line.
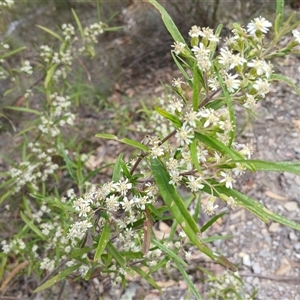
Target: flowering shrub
(189,144)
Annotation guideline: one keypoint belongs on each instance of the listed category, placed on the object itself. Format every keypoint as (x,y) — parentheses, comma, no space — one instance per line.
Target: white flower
(250,101)
(262,86)
(261,67)
(190,117)
(188,255)
(232,83)
(47,264)
(202,55)
(296,34)
(259,24)
(26,68)
(157,151)
(112,203)
(176,104)
(123,186)
(239,169)
(210,207)
(213,83)
(185,134)
(201,51)
(210,116)
(208,33)
(172,164)
(178,47)
(246,151)
(177,82)
(227,179)
(195,31)
(225,56)
(195,184)
(175,178)
(127,204)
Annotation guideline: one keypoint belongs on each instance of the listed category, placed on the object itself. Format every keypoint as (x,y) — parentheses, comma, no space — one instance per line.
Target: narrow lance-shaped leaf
(56,278)
(118,257)
(170,25)
(181,214)
(124,141)
(51,32)
(103,240)
(188,280)
(176,122)
(229,105)
(171,254)
(248,203)
(32,226)
(286,80)
(78,23)
(117,169)
(281,166)
(146,276)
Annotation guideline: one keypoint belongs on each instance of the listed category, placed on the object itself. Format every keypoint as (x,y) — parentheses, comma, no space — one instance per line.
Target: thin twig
(287,279)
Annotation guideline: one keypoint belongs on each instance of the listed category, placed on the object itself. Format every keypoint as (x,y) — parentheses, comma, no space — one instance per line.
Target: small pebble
(293,236)
(246,260)
(297,246)
(256,268)
(291,206)
(274,227)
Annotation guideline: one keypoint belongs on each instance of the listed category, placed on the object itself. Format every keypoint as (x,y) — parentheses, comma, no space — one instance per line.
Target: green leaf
(229,105)
(78,253)
(23,109)
(196,88)
(118,257)
(117,169)
(68,162)
(279,11)
(56,278)
(194,156)
(181,214)
(217,238)
(286,80)
(198,208)
(147,277)
(170,25)
(176,122)
(211,221)
(283,166)
(170,253)
(171,197)
(219,146)
(31,225)
(188,280)
(49,75)
(103,240)
(124,141)
(216,104)
(250,204)
(7,54)
(78,23)
(183,72)
(51,32)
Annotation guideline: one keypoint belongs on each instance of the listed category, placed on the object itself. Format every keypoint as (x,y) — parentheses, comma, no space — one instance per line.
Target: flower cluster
(113,198)
(31,174)
(7,3)
(26,68)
